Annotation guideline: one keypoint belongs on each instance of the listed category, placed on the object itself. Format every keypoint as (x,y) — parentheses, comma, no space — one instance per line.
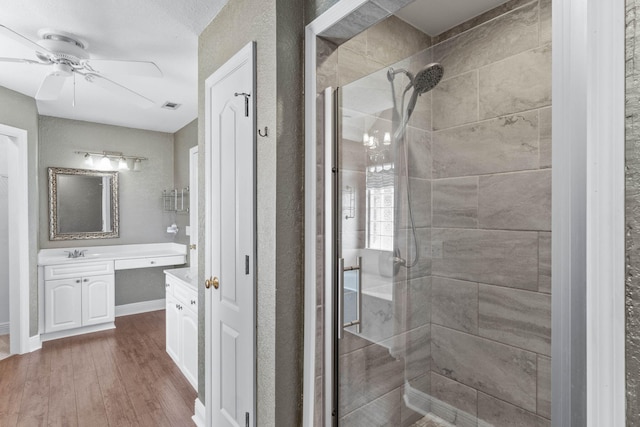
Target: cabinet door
(63,304)
(189,346)
(98,299)
(173,327)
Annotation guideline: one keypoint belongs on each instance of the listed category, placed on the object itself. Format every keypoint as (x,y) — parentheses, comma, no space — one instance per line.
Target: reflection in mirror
(83,204)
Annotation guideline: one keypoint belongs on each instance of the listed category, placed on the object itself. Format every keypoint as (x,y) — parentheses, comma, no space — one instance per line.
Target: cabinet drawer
(187,297)
(127,264)
(65,271)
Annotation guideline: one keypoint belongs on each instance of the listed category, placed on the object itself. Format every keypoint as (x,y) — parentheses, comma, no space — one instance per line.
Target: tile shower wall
(491,210)
(475,318)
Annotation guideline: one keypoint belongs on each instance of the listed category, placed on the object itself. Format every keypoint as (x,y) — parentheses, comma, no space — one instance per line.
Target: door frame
(19,275)
(246,54)
(588,324)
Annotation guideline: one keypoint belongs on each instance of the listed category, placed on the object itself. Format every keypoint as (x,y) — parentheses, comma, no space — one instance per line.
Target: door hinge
(246,264)
(246,417)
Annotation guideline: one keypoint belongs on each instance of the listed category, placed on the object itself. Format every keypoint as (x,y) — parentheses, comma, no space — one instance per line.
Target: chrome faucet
(75,253)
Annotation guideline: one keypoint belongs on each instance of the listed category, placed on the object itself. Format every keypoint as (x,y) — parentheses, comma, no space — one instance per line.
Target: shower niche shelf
(176,200)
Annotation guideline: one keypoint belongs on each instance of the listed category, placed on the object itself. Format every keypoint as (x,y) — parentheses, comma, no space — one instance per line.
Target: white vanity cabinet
(78,295)
(182,326)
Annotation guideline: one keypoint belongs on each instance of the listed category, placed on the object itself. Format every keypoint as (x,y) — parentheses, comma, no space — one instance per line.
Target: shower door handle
(358,321)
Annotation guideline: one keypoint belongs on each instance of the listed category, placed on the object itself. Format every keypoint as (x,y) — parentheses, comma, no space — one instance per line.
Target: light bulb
(137,165)
(105,163)
(122,164)
(365,139)
(88,159)
(387,138)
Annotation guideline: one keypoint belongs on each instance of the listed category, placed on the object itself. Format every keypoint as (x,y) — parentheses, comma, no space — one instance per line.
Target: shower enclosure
(438,306)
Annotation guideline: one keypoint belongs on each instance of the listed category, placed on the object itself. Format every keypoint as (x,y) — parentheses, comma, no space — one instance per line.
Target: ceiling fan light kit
(67,55)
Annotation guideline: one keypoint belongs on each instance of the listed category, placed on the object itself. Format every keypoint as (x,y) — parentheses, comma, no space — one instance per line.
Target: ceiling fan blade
(50,87)
(24,61)
(7,32)
(119,90)
(116,66)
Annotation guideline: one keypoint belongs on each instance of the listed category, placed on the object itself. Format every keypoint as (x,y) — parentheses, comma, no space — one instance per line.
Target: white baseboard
(199,416)
(4,328)
(77,331)
(35,343)
(140,307)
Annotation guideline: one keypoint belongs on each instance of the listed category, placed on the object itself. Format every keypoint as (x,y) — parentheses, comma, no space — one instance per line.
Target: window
(380,217)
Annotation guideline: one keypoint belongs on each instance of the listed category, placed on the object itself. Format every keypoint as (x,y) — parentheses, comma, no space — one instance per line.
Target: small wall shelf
(176,200)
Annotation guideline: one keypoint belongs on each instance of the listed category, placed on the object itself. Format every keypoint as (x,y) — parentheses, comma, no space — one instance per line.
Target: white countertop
(112,252)
(184,275)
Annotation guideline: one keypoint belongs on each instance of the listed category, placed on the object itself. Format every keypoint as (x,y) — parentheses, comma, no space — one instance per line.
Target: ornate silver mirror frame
(73,213)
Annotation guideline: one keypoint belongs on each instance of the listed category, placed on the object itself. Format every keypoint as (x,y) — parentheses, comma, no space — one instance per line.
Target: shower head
(428,78)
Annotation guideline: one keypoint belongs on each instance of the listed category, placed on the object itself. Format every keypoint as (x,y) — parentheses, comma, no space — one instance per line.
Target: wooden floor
(121,377)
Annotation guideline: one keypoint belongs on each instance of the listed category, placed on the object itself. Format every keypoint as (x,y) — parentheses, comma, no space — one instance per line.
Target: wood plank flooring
(121,377)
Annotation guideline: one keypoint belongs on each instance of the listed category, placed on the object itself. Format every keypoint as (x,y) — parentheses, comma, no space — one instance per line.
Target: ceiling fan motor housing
(65,49)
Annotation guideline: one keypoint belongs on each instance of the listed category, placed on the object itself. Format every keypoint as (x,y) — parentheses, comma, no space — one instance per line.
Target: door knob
(212,282)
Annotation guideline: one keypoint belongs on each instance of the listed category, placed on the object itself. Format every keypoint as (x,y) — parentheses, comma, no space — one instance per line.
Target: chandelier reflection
(378,152)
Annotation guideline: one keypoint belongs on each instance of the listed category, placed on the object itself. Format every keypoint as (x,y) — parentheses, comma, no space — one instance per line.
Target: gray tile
(500,145)
(506,258)
(455,304)
(392,5)
(545,21)
(422,266)
(544,263)
(455,394)
(495,412)
(353,156)
(545,137)
(506,372)
(422,384)
(455,202)
(418,302)
(381,412)
(515,201)
(392,40)
(419,153)
(544,386)
(353,66)
(420,190)
(377,318)
(318,408)
(327,65)
(319,341)
(515,317)
(357,43)
(497,39)
(367,374)
(456,101)
(519,83)
(418,352)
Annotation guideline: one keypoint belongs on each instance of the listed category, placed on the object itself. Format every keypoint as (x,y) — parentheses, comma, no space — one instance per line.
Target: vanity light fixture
(110,160)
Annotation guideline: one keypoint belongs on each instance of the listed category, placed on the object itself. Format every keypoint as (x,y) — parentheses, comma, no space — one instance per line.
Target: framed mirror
(83,204)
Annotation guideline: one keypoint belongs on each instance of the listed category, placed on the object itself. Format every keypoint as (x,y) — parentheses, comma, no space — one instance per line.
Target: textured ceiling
(163,31)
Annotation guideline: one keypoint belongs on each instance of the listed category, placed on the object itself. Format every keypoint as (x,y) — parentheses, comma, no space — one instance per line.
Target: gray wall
(4,232)
(633,212)
(142,219)
(20,111)
(183,140)
(276,27)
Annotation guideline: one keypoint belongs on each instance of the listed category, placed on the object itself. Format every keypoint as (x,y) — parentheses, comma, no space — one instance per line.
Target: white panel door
(98,299)
(63,304)
(230,241)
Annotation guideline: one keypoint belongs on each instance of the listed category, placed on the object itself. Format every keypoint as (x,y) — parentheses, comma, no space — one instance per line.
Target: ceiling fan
(67,56)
